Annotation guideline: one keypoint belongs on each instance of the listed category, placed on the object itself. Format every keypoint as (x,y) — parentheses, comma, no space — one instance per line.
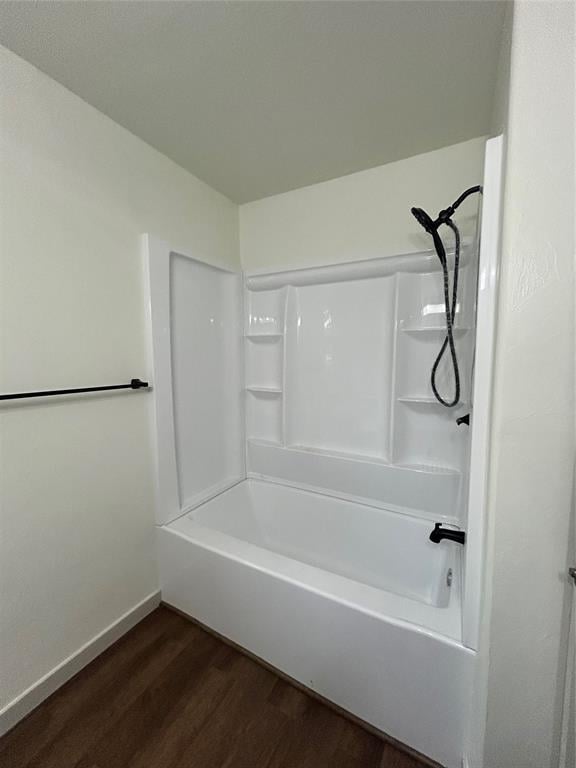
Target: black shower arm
(447,213)
(443,218)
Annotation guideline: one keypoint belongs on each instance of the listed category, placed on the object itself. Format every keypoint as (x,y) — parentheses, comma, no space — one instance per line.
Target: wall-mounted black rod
(134,384)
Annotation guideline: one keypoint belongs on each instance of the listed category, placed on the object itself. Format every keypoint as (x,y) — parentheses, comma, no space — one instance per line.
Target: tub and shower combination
(303,463)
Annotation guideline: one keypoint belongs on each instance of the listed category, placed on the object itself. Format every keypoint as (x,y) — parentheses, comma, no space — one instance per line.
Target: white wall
(532,450)
(76,193)
(501,96)
(360,216)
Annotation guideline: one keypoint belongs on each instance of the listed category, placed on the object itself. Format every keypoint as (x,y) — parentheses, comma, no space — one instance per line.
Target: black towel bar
(134,384)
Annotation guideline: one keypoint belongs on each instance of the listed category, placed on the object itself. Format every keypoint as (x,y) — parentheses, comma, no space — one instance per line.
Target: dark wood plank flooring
(171,695)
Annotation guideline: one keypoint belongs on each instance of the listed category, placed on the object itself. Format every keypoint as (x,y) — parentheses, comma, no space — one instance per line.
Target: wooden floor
(170,695)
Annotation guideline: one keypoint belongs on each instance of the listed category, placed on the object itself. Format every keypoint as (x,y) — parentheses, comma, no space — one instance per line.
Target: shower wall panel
(339,352)
(195,313)
(338,363)
(205,308)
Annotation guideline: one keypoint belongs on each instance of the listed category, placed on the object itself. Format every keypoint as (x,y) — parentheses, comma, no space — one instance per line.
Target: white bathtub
(352,601)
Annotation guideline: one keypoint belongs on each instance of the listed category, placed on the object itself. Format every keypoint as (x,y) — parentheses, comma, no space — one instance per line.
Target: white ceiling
(257,98)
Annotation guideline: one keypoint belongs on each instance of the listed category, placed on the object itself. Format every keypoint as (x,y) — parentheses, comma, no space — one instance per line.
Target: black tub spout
(440,533)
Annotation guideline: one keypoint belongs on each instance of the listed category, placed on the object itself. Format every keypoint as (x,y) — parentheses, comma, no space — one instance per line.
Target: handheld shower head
(423,219)
(432,226)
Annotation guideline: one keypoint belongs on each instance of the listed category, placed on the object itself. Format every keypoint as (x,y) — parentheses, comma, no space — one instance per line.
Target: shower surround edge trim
(157,280)
(487,295)
(423,260)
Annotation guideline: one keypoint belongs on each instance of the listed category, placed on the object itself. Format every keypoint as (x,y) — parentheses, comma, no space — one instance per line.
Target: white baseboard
(23,704)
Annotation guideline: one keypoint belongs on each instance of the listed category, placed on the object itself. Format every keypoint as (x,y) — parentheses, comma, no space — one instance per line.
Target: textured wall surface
(533,420)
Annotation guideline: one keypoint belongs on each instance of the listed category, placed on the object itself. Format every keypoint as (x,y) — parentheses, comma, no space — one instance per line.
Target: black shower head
(423,219)
(431,225)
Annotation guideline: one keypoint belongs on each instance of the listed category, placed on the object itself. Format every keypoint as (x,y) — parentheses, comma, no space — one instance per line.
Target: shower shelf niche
(427,400)
(433,329)
(264,415)
(429,468)
(264,337)
(264,366)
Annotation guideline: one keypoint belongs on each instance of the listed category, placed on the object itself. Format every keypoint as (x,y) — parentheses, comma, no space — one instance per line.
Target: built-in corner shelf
(264,337)
(264,390)
(433,329)
(429,469)
(424,400)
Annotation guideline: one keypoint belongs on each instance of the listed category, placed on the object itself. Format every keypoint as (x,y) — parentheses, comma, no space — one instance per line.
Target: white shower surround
(399,663)
(282,570)
(338,363)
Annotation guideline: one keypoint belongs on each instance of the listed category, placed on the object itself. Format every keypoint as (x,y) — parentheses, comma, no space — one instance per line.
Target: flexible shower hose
(445,217)
(450,309)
